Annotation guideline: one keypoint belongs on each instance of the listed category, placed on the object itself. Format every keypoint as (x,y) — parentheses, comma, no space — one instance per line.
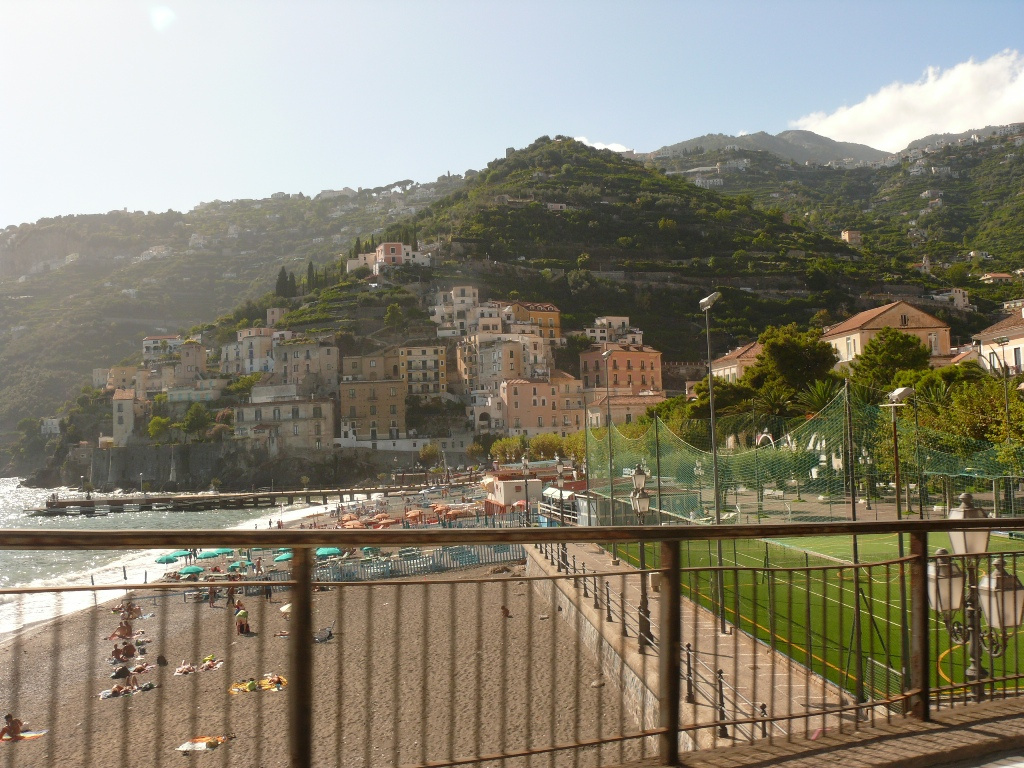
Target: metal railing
(433,666)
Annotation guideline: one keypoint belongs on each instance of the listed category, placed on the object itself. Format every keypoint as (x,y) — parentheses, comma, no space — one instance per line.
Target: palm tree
(817,395)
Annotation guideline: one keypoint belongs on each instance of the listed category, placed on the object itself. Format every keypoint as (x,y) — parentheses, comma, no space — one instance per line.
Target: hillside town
(491,363)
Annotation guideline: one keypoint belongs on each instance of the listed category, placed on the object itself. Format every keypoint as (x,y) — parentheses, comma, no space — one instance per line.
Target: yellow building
(547,318)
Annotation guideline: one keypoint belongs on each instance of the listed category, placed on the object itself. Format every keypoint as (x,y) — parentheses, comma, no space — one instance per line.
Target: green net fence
(836,464)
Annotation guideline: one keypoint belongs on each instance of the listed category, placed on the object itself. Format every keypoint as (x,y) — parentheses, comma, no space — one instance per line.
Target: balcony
(397,682)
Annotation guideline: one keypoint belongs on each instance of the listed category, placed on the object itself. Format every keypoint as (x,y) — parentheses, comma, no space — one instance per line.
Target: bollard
(622,612)
(608,599)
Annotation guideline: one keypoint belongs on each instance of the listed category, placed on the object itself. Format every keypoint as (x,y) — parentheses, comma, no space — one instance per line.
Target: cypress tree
(293,290)
(310,277)
(281,289)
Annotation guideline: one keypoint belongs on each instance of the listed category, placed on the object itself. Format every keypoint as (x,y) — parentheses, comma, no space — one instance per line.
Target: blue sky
(157,105)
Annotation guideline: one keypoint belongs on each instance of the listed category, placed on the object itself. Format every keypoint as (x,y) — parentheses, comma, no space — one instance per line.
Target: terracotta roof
(168,336)
(964,356)
(560,374)
(746,352)
(623,346)
(124,394)
(656,397)
(866,319)
(537,306)
(1014,322)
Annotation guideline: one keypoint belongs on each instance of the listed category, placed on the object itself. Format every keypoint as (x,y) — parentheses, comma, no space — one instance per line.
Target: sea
(25,568)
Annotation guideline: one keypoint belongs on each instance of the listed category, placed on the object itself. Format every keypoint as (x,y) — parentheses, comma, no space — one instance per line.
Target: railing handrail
(58,538)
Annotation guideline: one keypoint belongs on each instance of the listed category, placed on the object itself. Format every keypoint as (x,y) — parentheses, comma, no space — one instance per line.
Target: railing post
(722,717)
(668,655)
(300,696)
(585,592)
(919,662)
(622,613)
(608,599)
(763,714)
(690,698)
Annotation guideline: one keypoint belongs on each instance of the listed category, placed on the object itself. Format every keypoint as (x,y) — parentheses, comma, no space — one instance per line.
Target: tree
(790,356)
(281,288)
(583,261)
(475,453)
(506,450)
(159,428)
(393,316)
(430,454)
(546,446)
(310,277)
(293,289)
(196,420)
(889,352)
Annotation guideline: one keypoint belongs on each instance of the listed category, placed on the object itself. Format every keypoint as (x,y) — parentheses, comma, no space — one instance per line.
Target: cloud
(161,17)
(971,94)
(599,145)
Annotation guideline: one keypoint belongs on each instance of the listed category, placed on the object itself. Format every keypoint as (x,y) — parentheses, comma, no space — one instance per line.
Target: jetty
(94,505)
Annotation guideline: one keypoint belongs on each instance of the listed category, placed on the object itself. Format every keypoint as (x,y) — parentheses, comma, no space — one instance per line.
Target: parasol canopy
(208,554)
(188,570)
(283,557)
(165,559)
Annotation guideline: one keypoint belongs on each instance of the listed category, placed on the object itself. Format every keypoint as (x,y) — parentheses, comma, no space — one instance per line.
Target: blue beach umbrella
(285,549)
(165,559)
(188,570)
(181,553)
(283,557)
(327,551)
(224,551)
(208,554)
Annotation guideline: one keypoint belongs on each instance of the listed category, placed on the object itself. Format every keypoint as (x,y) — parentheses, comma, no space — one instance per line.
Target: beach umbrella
(208,554)
(164,559)
(285,549)
(238,564)
(224,551)
(285,556)
(327,551)
(188,570)
(181,553)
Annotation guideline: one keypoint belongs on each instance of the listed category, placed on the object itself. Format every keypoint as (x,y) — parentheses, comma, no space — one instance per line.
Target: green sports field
(798,595)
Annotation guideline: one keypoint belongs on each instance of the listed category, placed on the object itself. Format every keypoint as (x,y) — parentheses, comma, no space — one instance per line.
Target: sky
(111,104)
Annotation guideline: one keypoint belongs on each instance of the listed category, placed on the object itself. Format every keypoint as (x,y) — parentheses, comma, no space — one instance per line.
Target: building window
(316,428)
(295,429)
(394,410)
(258,414)
(904,321)
(241,417)
(277,414)
(317,413)
(540,421)
(373,410)
(120,419)
(351,411)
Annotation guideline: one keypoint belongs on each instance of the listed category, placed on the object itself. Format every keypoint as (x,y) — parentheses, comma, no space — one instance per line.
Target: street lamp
(607,354)
(1002,341)
(563,562)
(140,483)
(641,501)
(896,400)
(705,305)
(998,596)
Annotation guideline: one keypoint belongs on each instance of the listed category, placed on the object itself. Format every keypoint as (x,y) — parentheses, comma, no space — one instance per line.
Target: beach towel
(24,736)
(203,743)
(263,684)
(323,635)
(109,693)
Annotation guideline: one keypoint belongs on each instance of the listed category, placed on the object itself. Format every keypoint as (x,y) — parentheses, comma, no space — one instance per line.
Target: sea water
(59,568)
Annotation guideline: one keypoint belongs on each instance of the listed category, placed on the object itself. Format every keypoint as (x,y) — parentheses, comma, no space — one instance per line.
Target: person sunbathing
(185,668)
(275,680)
(124,629)
(208,664)
(13,727)
(128,650)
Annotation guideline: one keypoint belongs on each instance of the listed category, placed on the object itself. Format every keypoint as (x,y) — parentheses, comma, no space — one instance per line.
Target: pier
(188,502)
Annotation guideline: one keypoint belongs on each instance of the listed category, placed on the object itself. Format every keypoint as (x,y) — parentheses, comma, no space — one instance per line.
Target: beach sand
(416,672)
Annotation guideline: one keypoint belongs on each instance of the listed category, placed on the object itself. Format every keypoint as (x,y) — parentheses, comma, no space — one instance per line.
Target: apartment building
(279,420)
(424,369)
(159,346)
(372,409)
(251,352)
(302,359)
(614,328)
(530,407)
(632,367)
(545,318)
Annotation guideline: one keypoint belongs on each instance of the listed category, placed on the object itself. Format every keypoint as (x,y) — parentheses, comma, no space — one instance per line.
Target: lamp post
(998,597)
(607,354)
(896,400)
(1002,341)
(563,560)
(706,304)
(140,482)
(526,489)
(641,502)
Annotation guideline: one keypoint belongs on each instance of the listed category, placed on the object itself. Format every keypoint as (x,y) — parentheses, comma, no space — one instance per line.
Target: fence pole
(722,717)
(668,654)
(919,662)
(300,696)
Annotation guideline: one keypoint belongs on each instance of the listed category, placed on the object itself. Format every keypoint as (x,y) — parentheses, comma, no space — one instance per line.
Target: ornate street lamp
(641,502)
(998,597)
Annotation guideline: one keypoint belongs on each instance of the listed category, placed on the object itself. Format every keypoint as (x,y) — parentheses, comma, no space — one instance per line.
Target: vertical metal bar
(577,709)
(723,731)
(754,632)
(920,664)
(808,648)
(340,676)
(791,723)
(425,636)
(668,655)
(369,681)
(840,634)
(773,645)
(452,653)
(478,657)
(552,668)
(300,695)
(503,679)
(396,702)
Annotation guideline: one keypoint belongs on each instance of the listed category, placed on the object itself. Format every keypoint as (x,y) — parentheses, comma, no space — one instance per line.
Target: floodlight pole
(1002,341)
(607,354)
(706,304)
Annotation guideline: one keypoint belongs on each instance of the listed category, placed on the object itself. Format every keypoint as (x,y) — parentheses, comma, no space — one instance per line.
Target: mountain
(799,146)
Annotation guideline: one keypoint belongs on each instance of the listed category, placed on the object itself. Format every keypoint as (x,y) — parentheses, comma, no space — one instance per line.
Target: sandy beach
(419,671)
